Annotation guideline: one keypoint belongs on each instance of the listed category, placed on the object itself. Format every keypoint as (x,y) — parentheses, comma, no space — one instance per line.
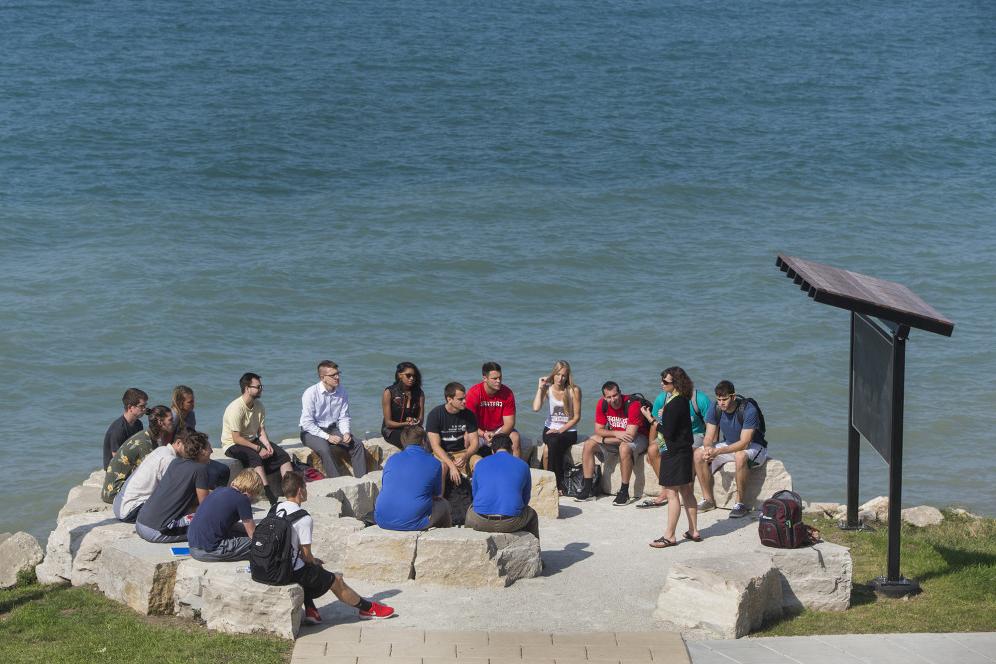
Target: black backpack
(461,498)
(574,480)
(271,559)
(630,398)
(742,406)
(780,525)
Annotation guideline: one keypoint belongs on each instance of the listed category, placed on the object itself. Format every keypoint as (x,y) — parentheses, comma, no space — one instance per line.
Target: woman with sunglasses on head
(403,403)
(135,449)
(560,429)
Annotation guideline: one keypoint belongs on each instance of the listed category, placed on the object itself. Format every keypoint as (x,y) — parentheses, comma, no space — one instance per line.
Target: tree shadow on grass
(10,600)
(555,562)
(958,559)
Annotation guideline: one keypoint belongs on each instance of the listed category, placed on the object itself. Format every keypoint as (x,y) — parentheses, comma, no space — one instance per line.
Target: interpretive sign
(871,377)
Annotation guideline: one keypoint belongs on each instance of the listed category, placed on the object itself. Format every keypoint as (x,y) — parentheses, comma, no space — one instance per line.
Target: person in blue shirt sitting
(501,486)
(412,488)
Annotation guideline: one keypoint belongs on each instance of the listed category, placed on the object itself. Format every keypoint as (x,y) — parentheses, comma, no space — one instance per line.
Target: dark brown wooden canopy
(863,294)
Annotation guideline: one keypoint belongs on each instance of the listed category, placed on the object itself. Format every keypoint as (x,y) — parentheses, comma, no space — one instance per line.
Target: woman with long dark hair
(136,448)
(403,403)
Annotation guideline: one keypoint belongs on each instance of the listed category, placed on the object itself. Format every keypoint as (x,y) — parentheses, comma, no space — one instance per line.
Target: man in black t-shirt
(166,515)
(452,431)
(126,426)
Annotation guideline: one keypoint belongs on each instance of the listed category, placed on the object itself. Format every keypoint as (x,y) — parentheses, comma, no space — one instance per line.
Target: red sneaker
(377,611)
(312,617)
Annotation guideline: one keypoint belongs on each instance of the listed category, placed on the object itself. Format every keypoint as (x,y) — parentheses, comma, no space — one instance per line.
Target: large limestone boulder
(469,559)
(381,555)
(300,452)
(922,516)
(725,597)
(377,477)
(18,552)
(876,509)
(330,538)
(814,577)
(226,599)
(96,479)
(822,509)
(358,494)
(139,574)
(88,558)
(762,483)
(544,497)
(234,465)
(380,451)
(65,541)
(83,499)
(612,475)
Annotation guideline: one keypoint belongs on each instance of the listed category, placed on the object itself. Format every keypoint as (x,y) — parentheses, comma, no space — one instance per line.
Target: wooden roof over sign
(863,294)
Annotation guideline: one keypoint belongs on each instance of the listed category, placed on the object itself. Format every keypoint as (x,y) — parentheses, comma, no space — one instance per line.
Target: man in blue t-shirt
(742,442)
(223,526)
(412,488)
(501,487)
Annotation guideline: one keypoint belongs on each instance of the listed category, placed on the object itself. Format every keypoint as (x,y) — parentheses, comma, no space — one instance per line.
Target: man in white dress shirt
(325,421)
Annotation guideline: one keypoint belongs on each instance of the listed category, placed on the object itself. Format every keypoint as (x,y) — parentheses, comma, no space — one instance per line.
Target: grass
(56,623)
(954,562)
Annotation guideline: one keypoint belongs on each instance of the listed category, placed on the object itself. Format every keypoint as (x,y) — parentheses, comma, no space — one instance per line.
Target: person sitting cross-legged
(501,487)
(222,528)
(412,487)
(307,570)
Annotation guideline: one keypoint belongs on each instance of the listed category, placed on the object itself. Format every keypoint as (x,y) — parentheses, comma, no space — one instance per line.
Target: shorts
(638,446)
(250,458)
(315,580)
(756,456)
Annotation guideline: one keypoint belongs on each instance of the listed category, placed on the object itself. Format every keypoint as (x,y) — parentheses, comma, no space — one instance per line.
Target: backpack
(742,406)
(460,497)
(574,481)
(271,559)
(630,398)
(780,525)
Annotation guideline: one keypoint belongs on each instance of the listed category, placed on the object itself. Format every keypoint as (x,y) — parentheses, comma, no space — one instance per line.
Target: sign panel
(871,373)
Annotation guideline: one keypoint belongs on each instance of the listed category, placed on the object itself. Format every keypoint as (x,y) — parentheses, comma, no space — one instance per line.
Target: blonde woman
(560,429)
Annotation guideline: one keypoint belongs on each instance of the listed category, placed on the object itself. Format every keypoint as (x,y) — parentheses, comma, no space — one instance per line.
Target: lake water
(192,190)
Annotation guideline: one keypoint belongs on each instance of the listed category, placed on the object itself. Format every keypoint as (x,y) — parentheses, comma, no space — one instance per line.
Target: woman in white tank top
(560,429)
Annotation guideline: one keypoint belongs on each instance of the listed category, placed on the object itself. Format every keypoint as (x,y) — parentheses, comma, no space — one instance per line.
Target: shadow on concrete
(556,561)
(726,526)
(340,613)
(567,511)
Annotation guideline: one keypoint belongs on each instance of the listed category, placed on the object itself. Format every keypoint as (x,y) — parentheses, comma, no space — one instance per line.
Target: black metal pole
(896,448)
(853,443)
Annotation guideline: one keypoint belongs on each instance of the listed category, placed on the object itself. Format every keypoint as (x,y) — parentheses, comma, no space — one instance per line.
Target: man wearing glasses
(126,426)
(743,443)
(325,421)
(243,434)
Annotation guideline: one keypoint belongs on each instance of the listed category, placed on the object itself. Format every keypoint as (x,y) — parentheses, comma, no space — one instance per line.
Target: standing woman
(560,429)
(676,475)
(185,421)
(403,403)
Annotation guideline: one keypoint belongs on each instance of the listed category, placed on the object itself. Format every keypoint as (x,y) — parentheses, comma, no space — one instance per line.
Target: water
(190,191)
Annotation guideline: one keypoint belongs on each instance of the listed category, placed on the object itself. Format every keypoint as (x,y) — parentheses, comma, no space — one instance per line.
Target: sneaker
(584,496)
(311,616)
(705,505)
(739,510)
(622,498)
(377,612)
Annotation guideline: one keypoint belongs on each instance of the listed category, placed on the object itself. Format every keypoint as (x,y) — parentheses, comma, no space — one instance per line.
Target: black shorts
(315,580)
(250,458)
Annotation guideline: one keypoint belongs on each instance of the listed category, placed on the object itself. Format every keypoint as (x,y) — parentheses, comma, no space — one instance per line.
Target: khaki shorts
(756,456)
(638,446)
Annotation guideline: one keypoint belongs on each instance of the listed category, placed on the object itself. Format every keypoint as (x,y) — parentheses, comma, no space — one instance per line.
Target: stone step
(470,559)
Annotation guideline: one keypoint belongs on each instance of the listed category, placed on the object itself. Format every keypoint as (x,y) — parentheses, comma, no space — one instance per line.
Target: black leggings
(557,446)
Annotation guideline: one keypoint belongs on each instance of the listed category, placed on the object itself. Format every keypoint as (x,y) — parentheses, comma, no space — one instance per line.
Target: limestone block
(88,558)
(379,450)
(822,509)
(725,596)
(762,483)
(139,574)
(381,555)
(965,513)
(18,551)
(226,599)
(330,538)
(878,506)
(65,541)
(612,475)
(81,500)
(323,508)
(814,577)
(538,457)
(377,477)
(543,496)
(922,516)
(469,559)
(358,494)
(96,479)
(298,451)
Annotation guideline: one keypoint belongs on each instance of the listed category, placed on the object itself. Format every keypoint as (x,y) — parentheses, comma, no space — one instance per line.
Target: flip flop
(688,536)
(650,502)
(663,543)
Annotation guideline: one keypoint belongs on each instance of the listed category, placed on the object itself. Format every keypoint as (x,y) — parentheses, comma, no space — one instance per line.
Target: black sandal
(688,536)
(651,502)
(663,543)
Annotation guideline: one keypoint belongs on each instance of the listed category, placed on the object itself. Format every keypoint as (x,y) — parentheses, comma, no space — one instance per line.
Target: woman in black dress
(676,473)
(403,403)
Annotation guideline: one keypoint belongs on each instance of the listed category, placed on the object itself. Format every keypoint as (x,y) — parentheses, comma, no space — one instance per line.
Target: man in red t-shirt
(620,429)
(493,404)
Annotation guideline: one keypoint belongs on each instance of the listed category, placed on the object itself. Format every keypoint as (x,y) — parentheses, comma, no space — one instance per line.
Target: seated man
(621,429)
(452,432)
(308,570)
(493,404)
(325,421)
(222,528)
(412,488)
(243,434)
(743,442)
(134,450)
(126,426)
(167,513)
(144,479)
(501,487)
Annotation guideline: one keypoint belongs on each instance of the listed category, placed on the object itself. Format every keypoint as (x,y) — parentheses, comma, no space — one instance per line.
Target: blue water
(192,190)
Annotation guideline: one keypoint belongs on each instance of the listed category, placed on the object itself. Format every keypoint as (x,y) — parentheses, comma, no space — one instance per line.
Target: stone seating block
(357,494)
(96,479)
(380,555)
(380,451)
(226,599)
(763,482)
(612,475)
(139,574)
(298,451)
(725,597)
(304,454)
(330,538)
(234,465)
(469,559)
(814,577)
(543,496)
(65,541)
(18,551)
(88,558)
(83,499)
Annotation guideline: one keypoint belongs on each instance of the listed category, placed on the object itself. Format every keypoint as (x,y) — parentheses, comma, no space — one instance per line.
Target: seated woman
(560,429)
(135,449)
(403,403)
(166,515)
(184,420)
(222,528)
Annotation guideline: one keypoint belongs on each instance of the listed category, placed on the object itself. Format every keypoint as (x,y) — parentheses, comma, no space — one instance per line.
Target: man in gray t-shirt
(168,512)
